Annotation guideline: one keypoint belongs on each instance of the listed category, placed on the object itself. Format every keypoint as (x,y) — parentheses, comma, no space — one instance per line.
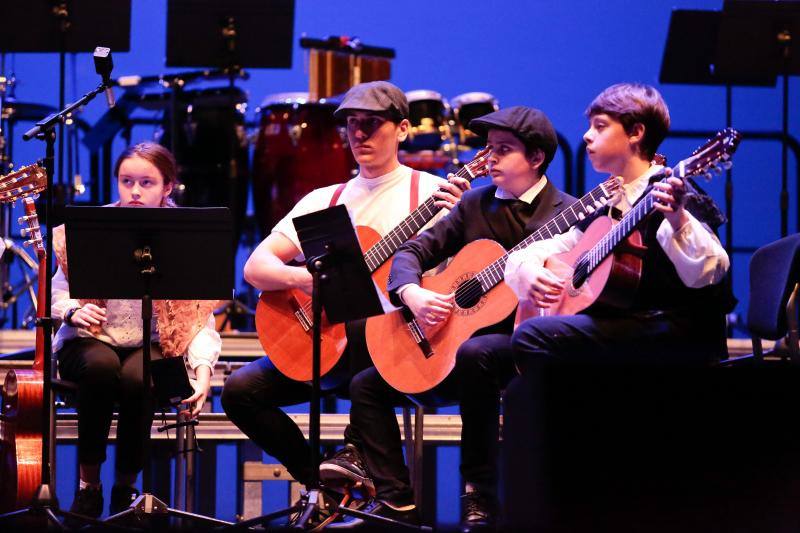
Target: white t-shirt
(380,203)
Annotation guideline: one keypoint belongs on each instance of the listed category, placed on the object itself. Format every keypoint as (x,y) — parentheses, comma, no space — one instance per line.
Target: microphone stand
(45,501)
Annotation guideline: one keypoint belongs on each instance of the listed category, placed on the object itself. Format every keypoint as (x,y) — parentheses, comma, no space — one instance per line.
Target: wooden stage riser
(439,429)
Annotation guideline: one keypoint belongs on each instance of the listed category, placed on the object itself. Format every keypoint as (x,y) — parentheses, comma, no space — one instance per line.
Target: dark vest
(660,288)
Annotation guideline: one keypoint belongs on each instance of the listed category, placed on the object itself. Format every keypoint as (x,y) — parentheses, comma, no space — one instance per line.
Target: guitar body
(392,347)
(23,402)
(613,283)
(287,341)
(21,438)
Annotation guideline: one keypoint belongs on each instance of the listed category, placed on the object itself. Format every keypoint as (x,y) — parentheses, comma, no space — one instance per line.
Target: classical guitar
(605,267)
(23,390)
(283,318)
(413,357)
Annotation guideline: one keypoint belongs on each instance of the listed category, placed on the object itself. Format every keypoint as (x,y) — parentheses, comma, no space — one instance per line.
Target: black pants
(647,339)
(253,396)
(106,374)
(483,368)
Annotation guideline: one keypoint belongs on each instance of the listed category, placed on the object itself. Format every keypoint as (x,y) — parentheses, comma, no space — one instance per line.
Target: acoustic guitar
(414,357)
(23,401)
(283,318)
(605,267)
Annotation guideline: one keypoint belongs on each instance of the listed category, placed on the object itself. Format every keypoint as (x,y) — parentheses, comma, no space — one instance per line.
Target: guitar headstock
(479,164)
(715,155)
(31,228)
(26,181)
(611,186)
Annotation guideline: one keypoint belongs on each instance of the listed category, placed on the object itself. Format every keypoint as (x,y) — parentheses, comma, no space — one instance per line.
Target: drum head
(469,106)
(428,114)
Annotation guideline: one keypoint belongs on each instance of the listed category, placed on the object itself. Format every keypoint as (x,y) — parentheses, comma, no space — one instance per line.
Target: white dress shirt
(697,254)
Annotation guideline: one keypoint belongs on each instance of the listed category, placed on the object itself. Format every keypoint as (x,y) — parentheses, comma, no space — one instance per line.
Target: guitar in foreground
(605,267)
(23,401)
(413,357)
(283,318)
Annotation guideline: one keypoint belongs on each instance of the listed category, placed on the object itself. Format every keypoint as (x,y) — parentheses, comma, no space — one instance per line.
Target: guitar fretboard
(388,245)
(618,233)
(494,273)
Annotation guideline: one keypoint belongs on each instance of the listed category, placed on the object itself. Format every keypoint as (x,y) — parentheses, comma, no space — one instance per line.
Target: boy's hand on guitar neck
(670,198)
(450,192)
(429,308)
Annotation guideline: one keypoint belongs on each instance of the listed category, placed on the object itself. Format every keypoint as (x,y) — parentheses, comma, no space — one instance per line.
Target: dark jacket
(479,215)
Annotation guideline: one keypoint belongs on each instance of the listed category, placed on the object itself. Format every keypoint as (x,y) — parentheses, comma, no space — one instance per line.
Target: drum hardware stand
(11,294)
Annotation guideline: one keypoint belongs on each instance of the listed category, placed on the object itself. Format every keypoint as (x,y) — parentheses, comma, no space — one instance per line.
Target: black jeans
(483,367)
(253,396)
(665,339)
(106,374)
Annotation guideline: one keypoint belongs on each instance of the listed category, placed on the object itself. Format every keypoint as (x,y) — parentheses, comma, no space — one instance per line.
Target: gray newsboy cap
(379,96)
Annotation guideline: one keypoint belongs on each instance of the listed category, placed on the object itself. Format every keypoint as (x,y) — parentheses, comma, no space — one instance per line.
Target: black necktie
(522,211)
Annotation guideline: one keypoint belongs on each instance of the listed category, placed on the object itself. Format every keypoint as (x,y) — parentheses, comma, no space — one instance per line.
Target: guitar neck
(382,250)
(619,232)
(495,272)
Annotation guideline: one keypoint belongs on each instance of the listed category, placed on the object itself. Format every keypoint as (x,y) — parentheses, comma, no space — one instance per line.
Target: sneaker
(347,471)
(87,502)
(408,516)
(479,513)
(122,496)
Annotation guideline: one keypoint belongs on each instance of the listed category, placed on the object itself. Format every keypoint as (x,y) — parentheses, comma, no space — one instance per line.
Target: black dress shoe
(87,502)
(479,513)
(122,496)
(347,471)
(380,509)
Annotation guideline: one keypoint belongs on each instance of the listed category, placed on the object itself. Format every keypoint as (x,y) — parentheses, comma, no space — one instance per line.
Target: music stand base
(148,505)
(45,505)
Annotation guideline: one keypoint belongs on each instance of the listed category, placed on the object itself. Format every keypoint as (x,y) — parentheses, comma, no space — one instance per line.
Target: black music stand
(64,26)
(344,288)
(763,39)
(240,34)
(748,43)
(150,253)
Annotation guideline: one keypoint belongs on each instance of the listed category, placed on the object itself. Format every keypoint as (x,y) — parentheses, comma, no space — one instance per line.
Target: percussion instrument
(300,147)
(428,113)
(468,106)
(211,148)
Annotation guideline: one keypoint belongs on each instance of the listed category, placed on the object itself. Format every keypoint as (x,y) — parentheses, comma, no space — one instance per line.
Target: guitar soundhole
(581,272)
(469,293)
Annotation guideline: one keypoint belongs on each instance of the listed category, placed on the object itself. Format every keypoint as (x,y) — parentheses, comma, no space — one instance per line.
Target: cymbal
(15,110)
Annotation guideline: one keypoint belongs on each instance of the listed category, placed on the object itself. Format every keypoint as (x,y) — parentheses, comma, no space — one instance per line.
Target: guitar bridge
(417,334)
(303,319)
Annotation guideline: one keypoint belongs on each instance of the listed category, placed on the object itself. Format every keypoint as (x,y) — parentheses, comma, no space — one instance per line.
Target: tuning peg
(726,164)
(27,243)
(25,232)
(708,176)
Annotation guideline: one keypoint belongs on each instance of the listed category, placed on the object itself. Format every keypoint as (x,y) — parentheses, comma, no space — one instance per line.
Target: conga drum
(468,106)
(211,149)
(300,147)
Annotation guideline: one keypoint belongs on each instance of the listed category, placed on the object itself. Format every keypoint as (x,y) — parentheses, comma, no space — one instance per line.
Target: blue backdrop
(552,55)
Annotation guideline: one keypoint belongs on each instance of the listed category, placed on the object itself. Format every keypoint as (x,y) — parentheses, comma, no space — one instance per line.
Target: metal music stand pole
(147,254)
(45,501)
(344,288)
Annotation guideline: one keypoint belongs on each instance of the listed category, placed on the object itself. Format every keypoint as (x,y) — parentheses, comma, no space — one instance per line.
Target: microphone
(103,65)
